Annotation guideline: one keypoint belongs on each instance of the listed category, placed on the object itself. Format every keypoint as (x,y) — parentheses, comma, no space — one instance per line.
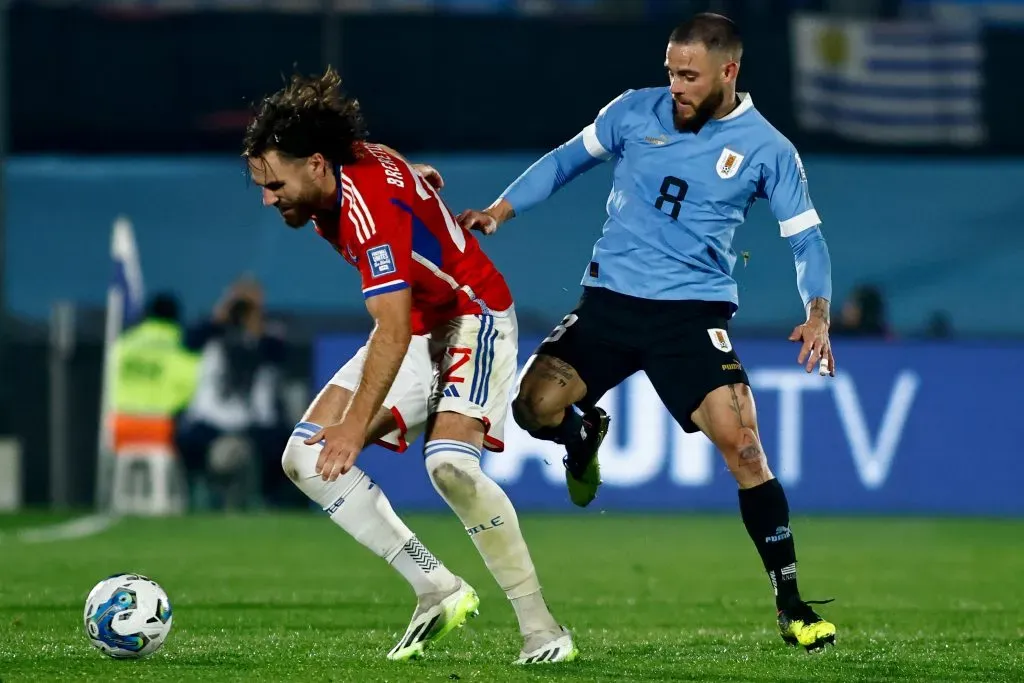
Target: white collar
(746,103)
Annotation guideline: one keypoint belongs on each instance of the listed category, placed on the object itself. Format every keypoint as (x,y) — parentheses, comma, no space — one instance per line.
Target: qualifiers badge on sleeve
(381,261)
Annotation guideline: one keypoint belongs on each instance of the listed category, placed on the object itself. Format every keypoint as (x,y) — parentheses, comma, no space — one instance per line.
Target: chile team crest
(728,163)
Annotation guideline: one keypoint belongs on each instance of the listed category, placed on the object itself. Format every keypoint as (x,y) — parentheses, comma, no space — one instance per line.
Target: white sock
(492,523)
(421,569)
(533,614)
(356,504)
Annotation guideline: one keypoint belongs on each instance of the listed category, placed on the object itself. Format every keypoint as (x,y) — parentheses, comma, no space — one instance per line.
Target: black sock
(765,513)
(569,432)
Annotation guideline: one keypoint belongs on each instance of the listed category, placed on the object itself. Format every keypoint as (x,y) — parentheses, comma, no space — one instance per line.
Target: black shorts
(683,346)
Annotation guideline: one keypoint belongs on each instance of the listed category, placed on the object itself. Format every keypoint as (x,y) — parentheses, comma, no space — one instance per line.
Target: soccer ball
(127,616)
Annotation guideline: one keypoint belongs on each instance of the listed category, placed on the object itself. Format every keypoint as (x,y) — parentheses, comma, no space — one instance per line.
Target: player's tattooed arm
(501,210)
(818,308)
(387,346)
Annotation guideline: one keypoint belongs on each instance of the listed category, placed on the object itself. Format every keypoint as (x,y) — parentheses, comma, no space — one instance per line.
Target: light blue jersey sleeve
(813,265)
(598,142)
(785,186)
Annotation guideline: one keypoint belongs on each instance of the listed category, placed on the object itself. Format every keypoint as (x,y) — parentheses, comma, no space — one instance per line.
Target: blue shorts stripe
(485,381)
(488,365)
(486,322)
(476,359)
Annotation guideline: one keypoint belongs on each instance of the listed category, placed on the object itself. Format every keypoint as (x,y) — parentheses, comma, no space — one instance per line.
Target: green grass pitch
(650,598)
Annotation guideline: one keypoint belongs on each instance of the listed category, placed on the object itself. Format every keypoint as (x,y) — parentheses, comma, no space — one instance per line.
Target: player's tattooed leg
(749,447)
(728,417)
(556,371)
(549,386)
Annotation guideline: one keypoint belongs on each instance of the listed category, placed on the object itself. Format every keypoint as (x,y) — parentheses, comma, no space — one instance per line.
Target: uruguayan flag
(891,82)
(990,12)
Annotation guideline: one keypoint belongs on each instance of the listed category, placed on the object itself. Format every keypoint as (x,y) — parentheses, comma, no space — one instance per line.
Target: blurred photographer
(231,434)
(863,315)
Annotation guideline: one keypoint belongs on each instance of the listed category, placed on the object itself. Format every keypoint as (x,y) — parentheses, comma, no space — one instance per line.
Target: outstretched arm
(600,141)
(554,170)
(544,178)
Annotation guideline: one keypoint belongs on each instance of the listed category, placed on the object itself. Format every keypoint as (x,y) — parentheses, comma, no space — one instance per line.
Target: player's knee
(454,474)
(299,460)
(534,410)
(294,460)
(288,464)
(523,414)
(299,464)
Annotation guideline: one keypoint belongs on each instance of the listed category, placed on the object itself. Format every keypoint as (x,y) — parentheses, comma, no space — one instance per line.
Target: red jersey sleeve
(383,240)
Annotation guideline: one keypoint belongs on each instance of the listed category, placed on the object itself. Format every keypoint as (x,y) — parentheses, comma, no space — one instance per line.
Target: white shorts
(466,366)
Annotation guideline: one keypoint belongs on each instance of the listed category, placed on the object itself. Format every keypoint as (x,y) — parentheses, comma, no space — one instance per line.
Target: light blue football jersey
(677,198)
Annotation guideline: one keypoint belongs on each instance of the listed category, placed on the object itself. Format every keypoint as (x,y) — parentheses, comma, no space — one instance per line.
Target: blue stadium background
(147,125)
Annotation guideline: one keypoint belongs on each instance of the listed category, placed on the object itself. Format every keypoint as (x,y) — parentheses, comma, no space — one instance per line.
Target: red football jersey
(399,233)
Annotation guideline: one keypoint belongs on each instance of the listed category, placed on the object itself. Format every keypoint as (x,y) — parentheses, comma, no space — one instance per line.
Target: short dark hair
(307,116)
(164,306)
(713,31)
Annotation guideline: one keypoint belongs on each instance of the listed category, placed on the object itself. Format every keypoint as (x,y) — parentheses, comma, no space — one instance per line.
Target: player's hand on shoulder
(430,174)
(478,220)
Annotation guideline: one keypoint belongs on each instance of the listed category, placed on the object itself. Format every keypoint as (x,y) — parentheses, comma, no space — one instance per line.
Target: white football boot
(548,647)
(436,615)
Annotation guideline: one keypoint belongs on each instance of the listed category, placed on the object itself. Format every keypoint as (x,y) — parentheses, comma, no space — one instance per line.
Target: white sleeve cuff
(799,223)
(593,145)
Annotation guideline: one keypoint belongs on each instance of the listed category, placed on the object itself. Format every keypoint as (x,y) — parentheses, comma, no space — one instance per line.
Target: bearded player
(441,358)
(690,159)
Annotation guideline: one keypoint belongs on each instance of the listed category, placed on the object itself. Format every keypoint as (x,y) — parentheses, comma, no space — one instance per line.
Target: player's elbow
(812,252)
(533,410)
(807,240)
(394,332)
(395,325)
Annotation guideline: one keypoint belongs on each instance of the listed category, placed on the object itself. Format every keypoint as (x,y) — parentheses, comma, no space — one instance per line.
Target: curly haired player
(440,307)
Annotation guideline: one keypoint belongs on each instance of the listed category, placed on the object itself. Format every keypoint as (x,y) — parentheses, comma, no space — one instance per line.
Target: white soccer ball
(127,616)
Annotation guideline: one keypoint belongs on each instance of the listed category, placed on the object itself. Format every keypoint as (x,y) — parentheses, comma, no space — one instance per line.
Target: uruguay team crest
(720,338)
(728,164)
